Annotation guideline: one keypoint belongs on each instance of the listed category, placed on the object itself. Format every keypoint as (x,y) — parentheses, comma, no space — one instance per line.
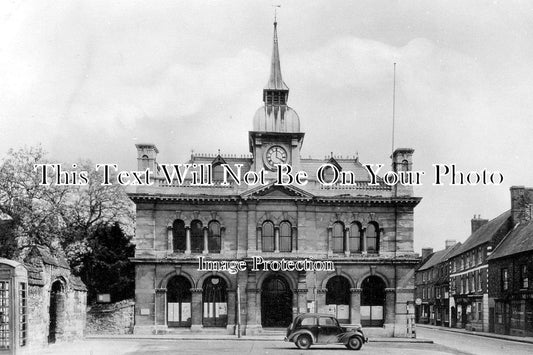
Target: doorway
(179,299)
(56,311)
(276,302)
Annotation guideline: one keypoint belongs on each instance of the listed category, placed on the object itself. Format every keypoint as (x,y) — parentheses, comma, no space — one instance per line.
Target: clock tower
(276,136)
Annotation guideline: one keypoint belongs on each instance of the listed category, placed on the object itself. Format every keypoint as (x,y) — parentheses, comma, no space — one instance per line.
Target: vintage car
(312,328)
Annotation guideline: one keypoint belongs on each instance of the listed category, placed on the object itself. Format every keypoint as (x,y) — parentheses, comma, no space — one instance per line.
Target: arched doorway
(215,302)
(372,302)
(338,298)
(179,299)
(56,311)
(276,302)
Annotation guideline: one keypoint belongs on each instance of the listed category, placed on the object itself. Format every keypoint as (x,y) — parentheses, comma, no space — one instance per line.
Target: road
(474,344)
(444,343)
(218,347)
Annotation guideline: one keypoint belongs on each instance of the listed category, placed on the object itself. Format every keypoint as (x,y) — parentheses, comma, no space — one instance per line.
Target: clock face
(275,155)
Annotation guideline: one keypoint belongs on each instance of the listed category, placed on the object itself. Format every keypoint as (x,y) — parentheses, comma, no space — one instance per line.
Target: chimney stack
(426,252)
(402,160)
(146,157)
(450,243)
(477,222)
(521,199)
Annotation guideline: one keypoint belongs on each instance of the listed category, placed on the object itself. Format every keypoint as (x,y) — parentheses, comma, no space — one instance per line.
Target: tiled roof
(35,276)
(44,254)
(76,283)
(519,240)
(438,257)
(495,227)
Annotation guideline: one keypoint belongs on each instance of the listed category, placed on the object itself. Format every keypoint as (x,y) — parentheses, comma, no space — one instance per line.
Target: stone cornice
(202,198)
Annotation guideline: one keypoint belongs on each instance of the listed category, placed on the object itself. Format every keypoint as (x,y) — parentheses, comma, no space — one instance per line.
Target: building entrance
(276,302)
(179,299)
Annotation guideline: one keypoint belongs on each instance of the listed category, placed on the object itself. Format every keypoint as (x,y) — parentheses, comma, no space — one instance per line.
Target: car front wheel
(303,341)
(354,343)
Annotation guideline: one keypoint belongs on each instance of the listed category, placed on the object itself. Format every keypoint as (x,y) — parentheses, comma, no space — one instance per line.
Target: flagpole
(393,106)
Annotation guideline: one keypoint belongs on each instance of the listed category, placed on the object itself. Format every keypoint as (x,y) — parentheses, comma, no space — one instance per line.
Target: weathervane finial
(276,13)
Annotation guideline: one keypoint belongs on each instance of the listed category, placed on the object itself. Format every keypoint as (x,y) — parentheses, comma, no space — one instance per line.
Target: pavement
(208,337)
(528,340)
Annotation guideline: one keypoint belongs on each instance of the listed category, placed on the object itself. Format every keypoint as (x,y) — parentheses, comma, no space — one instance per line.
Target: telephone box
(13,307)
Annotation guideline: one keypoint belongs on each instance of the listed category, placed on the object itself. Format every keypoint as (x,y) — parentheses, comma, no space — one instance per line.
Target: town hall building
(365,231)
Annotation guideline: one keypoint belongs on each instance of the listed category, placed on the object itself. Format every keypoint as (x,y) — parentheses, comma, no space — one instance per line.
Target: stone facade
(52,300)
(365,230)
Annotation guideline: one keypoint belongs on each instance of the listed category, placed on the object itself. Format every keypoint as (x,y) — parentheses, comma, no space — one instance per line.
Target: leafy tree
(104,264)
(92,223)
(8,242)
(31,207)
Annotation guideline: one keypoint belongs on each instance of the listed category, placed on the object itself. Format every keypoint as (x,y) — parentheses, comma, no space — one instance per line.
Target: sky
(90,79)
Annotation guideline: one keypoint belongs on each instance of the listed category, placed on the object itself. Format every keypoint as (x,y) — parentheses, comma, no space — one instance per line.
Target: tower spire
(276,89)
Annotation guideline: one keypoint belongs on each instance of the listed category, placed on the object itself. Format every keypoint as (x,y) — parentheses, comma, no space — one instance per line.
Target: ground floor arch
(338,298)
(215,302)
(372,302)
(179,298)
(56,310)
(276,302)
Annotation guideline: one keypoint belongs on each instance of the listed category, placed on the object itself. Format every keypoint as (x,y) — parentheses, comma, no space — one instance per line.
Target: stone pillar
(363,240)
(294,239)
(206,248)
(170,244)
(347,241)
(259,245)
(196,309)
(302,300)
(320,299)
(161,306)
(390,302)
(232,309)
(294,304)
(276,239)
(355,305)
(330,251)
(253,305)
(187,240)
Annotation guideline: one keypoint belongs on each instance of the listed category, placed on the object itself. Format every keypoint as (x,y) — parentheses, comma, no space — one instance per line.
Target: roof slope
(438,257)
(519,240)
(498,226)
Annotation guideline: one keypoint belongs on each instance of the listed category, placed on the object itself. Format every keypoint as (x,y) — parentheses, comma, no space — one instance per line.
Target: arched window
(267,236)
(355,237)
(338,237)
(372,237)
(285,236)
(218,172)
(145,162)
(338,297)
(329,174)
(405,165)
(214,239)
(179,236)
(197,237)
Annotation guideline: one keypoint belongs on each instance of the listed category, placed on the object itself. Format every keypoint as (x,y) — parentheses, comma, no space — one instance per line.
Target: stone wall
(113,318)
